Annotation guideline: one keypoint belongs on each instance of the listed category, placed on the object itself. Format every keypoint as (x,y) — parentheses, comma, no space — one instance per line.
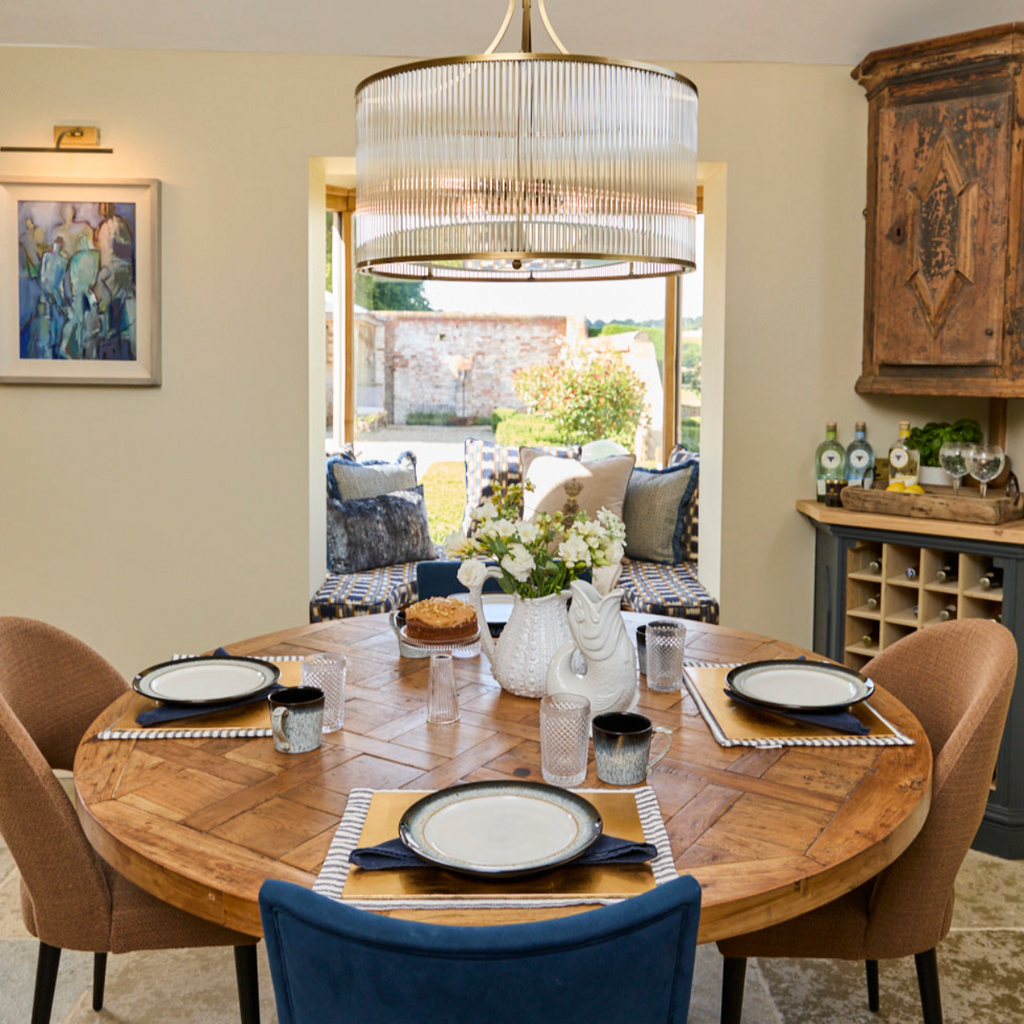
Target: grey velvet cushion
(656,512)
(368,533)
(347,479)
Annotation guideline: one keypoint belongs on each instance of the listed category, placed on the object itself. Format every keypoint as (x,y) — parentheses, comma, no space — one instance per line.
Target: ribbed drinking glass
(442,695)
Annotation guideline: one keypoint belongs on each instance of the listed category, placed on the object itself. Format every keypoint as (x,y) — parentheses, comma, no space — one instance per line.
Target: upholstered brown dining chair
(52,687)
(956,678)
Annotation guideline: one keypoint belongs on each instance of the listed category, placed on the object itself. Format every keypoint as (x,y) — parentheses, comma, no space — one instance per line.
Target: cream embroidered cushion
(567,485)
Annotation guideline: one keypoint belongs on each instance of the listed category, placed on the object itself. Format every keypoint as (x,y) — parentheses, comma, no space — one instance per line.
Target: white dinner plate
(799,685)
(206,680)
(500,829)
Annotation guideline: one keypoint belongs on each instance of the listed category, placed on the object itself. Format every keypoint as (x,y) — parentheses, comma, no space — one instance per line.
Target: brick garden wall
(465,361)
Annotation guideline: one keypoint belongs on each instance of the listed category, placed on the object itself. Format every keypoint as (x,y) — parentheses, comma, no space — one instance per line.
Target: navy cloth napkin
(843,721)
(172,712)
(606,850)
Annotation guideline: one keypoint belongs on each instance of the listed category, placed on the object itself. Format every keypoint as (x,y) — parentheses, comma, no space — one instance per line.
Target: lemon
(896,485)
(914,489)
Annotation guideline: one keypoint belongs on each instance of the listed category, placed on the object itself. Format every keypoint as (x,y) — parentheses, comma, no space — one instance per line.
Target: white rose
(484,511)
(528,532)
(574,550)
(456,544)
(502,528)
(518,563)
(472,573)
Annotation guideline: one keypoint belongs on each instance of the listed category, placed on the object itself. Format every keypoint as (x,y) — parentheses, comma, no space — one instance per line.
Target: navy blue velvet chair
(332,964)
(439,579)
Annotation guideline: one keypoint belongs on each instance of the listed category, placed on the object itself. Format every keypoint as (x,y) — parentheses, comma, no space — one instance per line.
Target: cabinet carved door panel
(942,231)
(944,252)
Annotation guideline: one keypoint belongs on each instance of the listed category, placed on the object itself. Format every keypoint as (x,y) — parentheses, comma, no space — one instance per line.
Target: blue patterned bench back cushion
(491,467)
(677,457)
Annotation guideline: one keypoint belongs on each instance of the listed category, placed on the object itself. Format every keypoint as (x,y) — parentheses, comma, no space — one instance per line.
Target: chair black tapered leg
(248,984)
(99,979)
(927,965)
(734,975)
(871,966)
(46,981)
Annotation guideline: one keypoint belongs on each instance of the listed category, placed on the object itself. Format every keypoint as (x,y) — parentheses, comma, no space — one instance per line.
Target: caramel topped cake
(440,620)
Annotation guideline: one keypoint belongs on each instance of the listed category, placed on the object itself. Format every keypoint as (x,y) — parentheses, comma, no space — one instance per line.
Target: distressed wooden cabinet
(943,281)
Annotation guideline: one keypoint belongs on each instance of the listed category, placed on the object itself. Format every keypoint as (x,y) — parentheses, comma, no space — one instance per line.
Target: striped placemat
(735,726)
(247,722)
(334,873)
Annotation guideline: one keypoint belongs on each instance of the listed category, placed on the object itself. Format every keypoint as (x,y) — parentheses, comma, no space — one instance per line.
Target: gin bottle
(860,460)
(830,464)
(903,460)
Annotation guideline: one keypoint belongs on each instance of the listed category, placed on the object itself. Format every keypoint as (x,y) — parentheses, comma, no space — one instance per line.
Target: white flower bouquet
(536,558)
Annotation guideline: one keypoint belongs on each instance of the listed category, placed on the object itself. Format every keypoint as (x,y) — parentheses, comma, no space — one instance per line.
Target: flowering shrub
(587,399)
(536,558)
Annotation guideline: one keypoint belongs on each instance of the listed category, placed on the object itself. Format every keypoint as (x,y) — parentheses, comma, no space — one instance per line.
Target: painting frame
(142,367)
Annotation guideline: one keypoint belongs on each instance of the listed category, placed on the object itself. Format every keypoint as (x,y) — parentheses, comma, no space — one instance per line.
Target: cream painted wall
(152,521)
(178,518)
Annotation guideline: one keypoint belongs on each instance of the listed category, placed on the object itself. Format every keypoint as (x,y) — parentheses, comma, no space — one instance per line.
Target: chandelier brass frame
(526,167)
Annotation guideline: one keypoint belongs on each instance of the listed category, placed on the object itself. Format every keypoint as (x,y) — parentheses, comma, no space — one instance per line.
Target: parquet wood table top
(768,834)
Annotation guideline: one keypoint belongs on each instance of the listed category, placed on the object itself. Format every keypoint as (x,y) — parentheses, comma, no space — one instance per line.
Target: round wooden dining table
(768,833)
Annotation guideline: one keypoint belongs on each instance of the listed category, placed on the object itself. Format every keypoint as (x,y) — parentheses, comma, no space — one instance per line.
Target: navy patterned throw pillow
(368,533)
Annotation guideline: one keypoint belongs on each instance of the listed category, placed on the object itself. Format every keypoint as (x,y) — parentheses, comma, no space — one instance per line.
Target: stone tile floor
(981,965)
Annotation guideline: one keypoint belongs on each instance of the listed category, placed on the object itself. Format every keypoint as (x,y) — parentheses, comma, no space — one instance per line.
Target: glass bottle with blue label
(860,459)
(830,466)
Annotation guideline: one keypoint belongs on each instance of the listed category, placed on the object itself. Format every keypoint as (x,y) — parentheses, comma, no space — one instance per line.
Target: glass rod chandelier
(526,167)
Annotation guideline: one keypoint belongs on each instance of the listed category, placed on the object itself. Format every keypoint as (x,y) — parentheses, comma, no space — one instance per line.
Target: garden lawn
(444,491)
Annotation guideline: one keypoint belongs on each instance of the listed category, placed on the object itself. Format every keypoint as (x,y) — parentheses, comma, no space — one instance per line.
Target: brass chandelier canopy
(526,167)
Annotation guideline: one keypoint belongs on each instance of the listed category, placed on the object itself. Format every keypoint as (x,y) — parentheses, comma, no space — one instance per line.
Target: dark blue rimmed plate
(500,829)
(206,679)
(799,685)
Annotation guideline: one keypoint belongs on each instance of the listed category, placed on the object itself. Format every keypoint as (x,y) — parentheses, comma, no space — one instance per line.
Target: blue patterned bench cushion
(666,590)
(364,593)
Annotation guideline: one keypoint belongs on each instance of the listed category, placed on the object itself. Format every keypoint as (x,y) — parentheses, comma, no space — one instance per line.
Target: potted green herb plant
(931,437)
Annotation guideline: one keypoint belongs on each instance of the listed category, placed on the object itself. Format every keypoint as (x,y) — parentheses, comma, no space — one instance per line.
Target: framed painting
(79,281)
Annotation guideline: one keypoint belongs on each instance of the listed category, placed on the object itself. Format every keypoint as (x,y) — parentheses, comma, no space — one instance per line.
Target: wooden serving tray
(936,503)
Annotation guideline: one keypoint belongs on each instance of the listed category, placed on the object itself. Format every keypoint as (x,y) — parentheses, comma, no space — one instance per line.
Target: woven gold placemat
(733,724)
(251,720)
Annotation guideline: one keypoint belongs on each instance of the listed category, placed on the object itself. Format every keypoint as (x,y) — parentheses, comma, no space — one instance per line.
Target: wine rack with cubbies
(894,589)
(861,590)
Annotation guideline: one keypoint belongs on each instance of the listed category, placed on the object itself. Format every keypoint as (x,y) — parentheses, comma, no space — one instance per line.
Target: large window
(433,363)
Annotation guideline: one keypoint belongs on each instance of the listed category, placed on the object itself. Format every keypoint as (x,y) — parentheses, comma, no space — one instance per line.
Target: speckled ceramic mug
(297,718)
(622,747)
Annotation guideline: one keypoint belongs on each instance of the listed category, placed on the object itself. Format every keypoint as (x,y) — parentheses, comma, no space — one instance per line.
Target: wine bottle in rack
(947,613)
(912,573)
(999,617)
(872,602)
(948,573)
(992,580)
(875,565)
(867,640)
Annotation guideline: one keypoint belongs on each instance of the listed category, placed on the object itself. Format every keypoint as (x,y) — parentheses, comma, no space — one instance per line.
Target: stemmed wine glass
(985,463)
(953,459)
